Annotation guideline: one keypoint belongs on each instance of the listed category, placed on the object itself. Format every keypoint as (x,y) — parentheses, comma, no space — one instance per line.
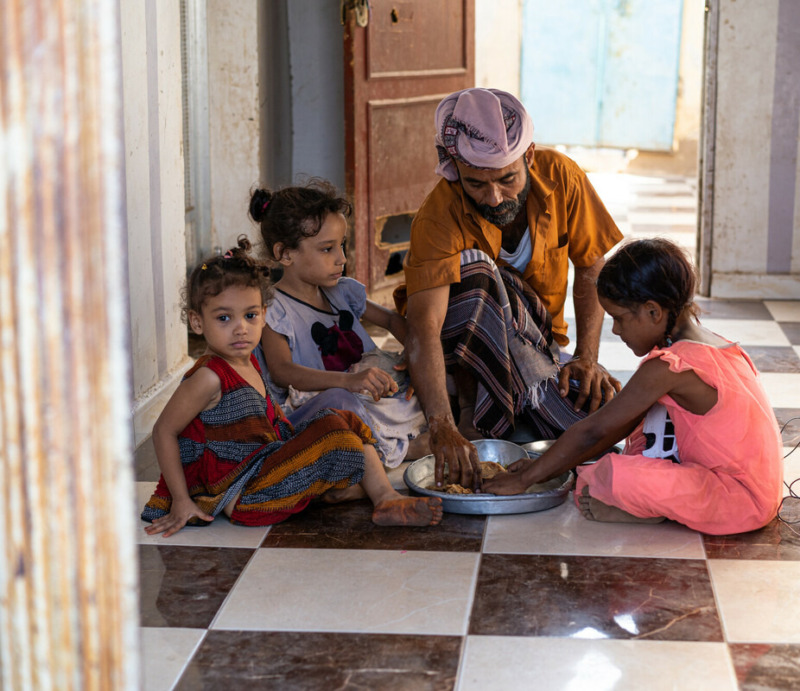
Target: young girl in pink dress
(703,446)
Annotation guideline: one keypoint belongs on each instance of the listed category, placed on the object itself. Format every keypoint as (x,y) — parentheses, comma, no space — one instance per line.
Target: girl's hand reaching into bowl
(510,482)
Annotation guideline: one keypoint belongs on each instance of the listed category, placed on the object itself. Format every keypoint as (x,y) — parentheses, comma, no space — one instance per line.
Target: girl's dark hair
(291,214)
(651,269)
(234,268)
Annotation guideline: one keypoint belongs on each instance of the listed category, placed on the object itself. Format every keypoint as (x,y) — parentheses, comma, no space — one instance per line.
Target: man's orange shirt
(567,222)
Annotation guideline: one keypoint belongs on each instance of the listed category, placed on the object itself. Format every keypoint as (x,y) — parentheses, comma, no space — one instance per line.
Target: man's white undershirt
(520,257)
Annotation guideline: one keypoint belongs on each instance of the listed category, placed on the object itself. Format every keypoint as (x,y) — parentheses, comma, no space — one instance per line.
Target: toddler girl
(314,339)
(703,447)
(222,443)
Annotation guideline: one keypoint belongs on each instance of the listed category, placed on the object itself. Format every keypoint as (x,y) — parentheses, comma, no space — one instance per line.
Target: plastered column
(68,603)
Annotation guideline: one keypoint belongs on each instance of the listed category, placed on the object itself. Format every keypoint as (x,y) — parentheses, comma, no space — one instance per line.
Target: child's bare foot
(408,511)
(596,510)
(351,493)
(418,447)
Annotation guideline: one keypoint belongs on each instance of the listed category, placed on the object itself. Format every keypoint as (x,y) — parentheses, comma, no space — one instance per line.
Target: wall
(151,74)
(751,232)
(233,114)
(498,41)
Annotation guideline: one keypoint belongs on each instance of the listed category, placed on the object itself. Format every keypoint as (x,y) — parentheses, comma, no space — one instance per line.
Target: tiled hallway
(545,600)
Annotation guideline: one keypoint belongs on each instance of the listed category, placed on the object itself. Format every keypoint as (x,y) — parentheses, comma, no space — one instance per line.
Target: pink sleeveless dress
(730,474)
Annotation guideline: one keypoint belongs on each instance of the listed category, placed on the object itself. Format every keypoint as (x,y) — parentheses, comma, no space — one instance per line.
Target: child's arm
(595,433)
(393,322)
(284,372)
(193,395)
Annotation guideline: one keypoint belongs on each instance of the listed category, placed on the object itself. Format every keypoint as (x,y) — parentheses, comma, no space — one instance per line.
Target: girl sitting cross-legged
(703,446)
(314,344)
(224,445)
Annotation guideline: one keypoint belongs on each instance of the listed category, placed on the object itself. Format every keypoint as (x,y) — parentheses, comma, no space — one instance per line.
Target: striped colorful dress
(245,445)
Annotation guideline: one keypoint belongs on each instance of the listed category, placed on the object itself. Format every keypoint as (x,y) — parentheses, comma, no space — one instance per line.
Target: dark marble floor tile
(778,541)
(292,661)
(774,359)
(763,666)
(185,586)
(792,331)
(732,309)
(595,597)
(349,526)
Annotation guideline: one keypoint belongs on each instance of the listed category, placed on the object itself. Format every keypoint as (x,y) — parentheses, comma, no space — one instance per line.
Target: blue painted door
(602,72)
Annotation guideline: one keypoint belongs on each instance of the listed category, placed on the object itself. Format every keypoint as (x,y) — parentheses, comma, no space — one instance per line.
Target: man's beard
(505,212)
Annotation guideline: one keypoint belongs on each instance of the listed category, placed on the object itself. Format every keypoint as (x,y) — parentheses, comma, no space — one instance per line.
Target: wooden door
(602,72)
(409,56)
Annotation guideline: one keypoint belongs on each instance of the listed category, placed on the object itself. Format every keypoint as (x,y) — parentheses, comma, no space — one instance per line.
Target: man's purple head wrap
(483,128)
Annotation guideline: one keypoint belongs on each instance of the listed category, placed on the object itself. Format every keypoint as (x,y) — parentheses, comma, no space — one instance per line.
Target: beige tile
(747,332)
(615,355)
(784,310)
(791,466)
(662,218)
(563,530)
(165,654)
(758,601)
(369,591)
(782,388)
(570,664)
(221,532)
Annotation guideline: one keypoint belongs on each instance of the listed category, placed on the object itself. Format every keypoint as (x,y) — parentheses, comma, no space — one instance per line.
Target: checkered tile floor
(544,600)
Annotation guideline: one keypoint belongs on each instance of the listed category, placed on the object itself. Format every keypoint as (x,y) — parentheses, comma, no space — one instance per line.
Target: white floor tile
(758,332)
(758,601)
(791,468)
(369,591)
(664,218)
(687,240)
(783,389)
(220,533)
(563,530)
(165,654)
(784,310)
(617,356)
(495,663)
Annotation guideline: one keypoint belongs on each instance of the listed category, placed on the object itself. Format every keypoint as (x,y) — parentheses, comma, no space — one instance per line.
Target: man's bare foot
(408,511)
(351,493)
(596,510)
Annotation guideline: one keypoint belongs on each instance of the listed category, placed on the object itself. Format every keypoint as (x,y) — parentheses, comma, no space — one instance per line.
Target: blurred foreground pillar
(68,571)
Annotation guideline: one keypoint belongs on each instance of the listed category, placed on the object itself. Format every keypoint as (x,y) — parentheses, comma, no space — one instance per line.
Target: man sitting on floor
(486,283)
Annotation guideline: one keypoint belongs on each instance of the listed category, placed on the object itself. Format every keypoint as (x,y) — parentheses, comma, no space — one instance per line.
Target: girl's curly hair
(213,275)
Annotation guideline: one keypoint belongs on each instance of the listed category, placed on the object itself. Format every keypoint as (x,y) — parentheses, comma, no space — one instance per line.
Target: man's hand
(596,384)
(510,482)
(451,449)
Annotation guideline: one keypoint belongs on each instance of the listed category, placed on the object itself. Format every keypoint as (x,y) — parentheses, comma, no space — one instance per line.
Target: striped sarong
(497,328)
(245,446)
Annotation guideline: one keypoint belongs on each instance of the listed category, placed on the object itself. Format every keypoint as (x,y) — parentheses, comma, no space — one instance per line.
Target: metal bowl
(534,449)
(419,478)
